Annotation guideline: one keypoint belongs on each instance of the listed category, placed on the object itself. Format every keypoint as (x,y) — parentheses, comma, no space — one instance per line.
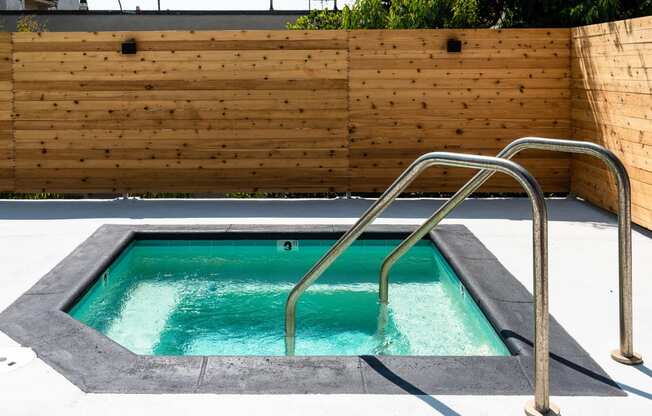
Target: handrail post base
(634,359)
(531,410)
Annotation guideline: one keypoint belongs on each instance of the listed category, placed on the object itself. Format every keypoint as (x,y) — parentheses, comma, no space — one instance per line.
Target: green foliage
(365,14)
(417,14)
(29,24)
(410,14)
(553,13)
(465,13)
(318,19)
(425,14)
(635,8)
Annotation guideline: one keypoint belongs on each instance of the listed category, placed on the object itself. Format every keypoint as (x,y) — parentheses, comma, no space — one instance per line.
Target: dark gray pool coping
(97,364)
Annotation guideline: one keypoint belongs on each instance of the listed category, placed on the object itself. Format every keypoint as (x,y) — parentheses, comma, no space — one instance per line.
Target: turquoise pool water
(227,297)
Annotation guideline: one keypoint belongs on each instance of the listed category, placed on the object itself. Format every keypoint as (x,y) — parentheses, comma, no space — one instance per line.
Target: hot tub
(199,309)
(227,297)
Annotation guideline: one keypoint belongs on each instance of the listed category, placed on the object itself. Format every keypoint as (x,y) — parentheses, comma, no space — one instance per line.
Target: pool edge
(97,364)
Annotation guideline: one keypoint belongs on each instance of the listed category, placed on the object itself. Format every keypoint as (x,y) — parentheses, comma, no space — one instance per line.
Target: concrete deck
(36,235)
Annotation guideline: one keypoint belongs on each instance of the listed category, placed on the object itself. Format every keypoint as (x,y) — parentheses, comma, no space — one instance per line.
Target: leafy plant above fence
(428,14)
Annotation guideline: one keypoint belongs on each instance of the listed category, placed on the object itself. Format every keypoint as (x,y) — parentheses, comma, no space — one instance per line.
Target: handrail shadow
(589,373)
(408,387)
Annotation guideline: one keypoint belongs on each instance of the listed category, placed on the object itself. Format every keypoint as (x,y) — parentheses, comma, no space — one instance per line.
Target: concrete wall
(115,21)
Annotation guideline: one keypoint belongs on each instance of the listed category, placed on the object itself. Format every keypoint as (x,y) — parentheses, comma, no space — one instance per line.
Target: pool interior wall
(226,297)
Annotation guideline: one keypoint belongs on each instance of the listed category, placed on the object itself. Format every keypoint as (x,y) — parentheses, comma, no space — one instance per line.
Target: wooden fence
(316,111)
(279,110)
(409,96)
(190,112)
(6,127)
(612,105)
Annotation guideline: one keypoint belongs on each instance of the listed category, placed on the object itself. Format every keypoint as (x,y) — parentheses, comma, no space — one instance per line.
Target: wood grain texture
(315,111)
(291,111)
(7,158)
(612,105)
(190,112)
(408,96)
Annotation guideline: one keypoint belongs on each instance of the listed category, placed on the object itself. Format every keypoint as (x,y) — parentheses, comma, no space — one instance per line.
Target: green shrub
(318,19)
(29,24)
(365,14)
(425,14)
(412,14)
(419,14)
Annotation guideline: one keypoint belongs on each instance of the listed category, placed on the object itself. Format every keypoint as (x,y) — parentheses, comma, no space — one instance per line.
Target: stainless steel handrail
(626,354)
(540,254)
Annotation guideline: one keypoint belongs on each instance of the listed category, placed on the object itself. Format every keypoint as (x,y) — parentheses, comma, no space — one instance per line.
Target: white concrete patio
(36,235)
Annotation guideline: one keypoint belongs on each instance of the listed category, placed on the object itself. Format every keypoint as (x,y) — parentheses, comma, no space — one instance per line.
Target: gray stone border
(97,364)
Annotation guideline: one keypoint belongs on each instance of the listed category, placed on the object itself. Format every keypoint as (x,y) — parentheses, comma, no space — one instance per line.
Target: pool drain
(14,358)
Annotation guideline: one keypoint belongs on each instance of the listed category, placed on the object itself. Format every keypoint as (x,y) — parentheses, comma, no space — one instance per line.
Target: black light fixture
(129,47)
(454,45)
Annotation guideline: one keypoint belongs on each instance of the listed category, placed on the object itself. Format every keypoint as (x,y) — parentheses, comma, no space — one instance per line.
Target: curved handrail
(540,253)
(626,354)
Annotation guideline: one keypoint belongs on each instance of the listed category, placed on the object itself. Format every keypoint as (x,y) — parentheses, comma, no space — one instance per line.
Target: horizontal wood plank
(320,111)
(611,96)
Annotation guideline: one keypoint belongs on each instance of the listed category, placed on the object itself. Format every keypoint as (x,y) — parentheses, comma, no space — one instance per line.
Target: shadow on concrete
(560,209)
(602,378)
(408,387)
(643,369)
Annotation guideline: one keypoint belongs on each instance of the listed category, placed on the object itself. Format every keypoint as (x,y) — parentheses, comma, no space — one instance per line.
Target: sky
(212,4)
